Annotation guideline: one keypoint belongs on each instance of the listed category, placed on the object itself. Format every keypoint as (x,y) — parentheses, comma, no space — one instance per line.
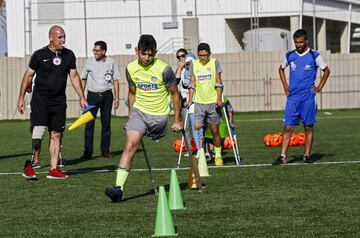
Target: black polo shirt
(51,71)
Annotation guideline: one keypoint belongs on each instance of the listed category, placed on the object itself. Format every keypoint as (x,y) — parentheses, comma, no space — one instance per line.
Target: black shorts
(48,112)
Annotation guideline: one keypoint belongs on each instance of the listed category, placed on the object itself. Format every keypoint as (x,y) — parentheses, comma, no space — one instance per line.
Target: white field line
(187,168)
(280,119)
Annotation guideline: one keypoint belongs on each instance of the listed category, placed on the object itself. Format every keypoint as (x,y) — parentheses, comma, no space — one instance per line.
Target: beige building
(332,24)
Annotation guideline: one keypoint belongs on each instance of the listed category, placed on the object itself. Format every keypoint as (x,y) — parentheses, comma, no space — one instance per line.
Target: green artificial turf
(253,200)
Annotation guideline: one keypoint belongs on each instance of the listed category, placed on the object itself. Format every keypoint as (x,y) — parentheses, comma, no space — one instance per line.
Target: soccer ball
(267,139)
(293,140)
(276,140)
(177,145)
(301,138)
(228,143)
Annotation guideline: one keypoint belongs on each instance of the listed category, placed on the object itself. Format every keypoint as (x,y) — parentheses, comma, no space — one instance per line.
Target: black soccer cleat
(307,159)
(280,160)
(114,193)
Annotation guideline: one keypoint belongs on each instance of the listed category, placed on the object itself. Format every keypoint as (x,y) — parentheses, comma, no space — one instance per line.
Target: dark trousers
(103,101)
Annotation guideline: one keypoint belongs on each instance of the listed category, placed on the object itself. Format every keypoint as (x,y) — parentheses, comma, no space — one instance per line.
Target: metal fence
(250,85)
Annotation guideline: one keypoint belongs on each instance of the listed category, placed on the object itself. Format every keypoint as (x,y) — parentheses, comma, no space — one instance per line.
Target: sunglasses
(180,56)
(95,50)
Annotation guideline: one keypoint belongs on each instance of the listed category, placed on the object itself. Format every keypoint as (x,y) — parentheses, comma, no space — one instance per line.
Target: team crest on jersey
(154,79)
(209,69)
(108,77)
(292,65)
(307,67)
(57,60)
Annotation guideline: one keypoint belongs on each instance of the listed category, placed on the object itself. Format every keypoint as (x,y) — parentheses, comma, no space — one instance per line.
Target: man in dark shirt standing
(51,64)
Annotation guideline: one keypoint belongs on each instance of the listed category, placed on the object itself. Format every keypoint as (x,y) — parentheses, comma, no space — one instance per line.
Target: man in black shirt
(51,64)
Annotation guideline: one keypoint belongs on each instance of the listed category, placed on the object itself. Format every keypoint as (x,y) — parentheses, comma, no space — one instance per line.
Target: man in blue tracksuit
(301,92)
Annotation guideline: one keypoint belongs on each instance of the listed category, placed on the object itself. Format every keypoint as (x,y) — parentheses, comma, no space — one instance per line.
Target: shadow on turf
(90,170)
(314,157)
(228,160)
(80,160)
(116,154)
(13,155)
(183,186)
(149,192)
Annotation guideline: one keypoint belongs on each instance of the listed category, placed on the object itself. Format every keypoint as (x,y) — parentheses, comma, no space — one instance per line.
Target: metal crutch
(236,152)
(149,167)
(236,147)
(182,140)
(194,168)
(61,160)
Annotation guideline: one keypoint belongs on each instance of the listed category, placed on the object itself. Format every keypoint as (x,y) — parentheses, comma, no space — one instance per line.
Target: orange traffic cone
(191,180)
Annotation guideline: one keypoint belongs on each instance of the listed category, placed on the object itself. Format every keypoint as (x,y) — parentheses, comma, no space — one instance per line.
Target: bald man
(51,65)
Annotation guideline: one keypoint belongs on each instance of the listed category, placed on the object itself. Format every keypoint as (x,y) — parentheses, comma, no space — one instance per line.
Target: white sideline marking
(186,168)
(280,119)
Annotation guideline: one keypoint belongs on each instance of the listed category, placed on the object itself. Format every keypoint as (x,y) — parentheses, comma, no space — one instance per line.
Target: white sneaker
(186,154)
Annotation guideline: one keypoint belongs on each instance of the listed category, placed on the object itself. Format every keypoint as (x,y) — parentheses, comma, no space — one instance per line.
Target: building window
(50,11)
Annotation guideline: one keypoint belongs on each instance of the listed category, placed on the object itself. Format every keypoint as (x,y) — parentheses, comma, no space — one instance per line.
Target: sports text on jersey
(147,86)
(203,77)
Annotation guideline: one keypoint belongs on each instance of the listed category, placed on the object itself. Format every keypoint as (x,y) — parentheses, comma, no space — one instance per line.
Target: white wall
(117,22)
(325,8)
(15,26)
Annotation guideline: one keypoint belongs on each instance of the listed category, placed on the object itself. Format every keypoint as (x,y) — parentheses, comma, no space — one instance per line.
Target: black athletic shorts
(48,112)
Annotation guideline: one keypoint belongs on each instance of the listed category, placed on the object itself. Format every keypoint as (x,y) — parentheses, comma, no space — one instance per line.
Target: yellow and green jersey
(152,96)
(205,79)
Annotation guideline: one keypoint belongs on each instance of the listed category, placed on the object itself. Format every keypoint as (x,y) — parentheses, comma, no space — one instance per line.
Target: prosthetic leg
(61,162)
(37,135)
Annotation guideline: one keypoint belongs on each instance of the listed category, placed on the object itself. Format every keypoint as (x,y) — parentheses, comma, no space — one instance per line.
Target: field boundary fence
(245,92)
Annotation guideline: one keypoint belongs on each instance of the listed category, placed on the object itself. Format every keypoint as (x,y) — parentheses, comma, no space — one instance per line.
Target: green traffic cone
(202,165)
(175,198)
(164,224)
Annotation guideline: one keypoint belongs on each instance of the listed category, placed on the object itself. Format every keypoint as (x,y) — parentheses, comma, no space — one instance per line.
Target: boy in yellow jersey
(151,81)
(206,87)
